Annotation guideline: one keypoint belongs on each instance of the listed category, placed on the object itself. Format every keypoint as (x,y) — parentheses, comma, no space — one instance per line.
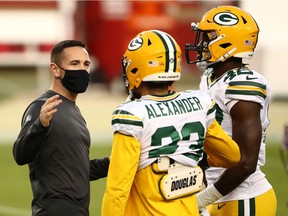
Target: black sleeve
(204,163)
(31,135)
(99,168)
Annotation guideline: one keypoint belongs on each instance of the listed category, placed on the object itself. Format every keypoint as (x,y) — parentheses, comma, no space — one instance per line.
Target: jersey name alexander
(176,107)
(183,117)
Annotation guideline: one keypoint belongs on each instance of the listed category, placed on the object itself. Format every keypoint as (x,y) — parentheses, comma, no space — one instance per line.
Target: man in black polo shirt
(54,140)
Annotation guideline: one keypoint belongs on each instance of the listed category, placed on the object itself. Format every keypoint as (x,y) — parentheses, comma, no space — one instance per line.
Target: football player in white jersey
(159,135)
(224,37)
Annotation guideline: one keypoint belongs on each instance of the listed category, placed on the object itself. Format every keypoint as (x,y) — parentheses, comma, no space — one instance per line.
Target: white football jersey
(173,125)
(232,86)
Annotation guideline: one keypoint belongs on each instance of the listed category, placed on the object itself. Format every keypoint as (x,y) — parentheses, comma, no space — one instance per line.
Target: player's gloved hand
(207,197)
(204,212)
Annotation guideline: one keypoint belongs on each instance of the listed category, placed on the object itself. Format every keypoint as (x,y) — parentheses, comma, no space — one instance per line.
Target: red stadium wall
(110,26)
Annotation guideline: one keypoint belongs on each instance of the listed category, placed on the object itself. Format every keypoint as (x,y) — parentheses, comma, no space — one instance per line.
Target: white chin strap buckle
(202,65)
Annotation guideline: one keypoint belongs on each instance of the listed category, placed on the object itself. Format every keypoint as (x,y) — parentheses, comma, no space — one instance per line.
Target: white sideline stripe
(12,211)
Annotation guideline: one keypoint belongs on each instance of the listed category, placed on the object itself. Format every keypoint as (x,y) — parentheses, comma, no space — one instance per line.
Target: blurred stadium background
(30,28)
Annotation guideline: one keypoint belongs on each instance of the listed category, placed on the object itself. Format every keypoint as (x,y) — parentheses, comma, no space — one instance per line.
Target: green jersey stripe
(122,112)
(252,206)
(249,207)
(127,121)
(212,109)
(241,208)
(248,83)
(219,114)
(245,92)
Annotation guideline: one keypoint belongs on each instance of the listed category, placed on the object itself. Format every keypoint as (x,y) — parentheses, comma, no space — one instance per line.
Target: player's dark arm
(247,133)
(99,168)
(203,163)
(30,137)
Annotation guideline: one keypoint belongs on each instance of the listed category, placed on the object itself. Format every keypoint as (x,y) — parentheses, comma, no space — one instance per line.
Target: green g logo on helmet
(226,19)
(135,43)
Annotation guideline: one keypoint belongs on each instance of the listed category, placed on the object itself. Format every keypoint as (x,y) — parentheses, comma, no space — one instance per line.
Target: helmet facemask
(203,40)
(200,46)
(124,64)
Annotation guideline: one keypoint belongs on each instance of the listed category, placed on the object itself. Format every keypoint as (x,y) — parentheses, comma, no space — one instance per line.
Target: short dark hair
(58,48)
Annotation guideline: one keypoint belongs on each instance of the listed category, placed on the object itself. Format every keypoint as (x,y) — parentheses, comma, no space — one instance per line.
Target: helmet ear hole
(244,20)
(134,70)
(225,45)
(149,42)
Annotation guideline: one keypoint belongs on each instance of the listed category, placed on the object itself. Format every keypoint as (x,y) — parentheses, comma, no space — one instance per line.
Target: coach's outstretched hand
(48,109)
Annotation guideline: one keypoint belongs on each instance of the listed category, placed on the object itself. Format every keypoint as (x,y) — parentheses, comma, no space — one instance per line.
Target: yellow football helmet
(152,55)
(223,32)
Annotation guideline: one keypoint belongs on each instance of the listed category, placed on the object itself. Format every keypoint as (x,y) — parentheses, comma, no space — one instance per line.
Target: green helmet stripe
(170,48)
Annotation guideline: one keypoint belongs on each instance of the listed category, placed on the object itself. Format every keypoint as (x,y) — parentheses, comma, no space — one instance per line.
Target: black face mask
(75,80)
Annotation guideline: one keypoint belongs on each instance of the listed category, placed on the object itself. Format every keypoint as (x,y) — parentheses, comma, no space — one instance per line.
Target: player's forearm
(249,143)
(99,168)
(232,178)
(28,142)
(228,181)
(247,133)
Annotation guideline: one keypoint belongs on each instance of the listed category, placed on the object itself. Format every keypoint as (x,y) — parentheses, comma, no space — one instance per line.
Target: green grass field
(15,191)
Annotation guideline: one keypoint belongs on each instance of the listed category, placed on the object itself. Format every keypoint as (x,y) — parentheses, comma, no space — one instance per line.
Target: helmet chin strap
(226,55)
(203,65)
(131,96)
